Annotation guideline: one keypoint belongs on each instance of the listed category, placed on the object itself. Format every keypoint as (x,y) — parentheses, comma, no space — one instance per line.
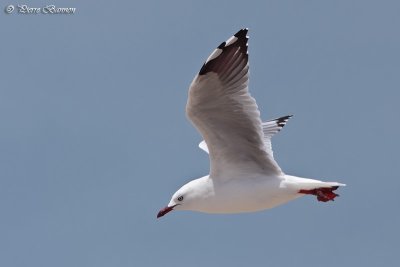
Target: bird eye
(180,198)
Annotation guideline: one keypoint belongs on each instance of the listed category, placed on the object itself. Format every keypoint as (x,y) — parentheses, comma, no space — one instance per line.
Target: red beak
(164,211)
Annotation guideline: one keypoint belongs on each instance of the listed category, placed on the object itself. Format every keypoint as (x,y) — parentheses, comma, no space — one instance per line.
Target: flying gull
(244,176)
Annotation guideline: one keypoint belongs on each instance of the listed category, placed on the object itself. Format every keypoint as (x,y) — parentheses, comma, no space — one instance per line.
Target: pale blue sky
(94,139)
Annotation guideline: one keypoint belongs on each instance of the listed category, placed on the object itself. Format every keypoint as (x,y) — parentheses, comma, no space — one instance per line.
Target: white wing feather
(223,111)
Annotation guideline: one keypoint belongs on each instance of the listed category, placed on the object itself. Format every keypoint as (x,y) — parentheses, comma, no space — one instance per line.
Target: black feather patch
(219,63)
(282,120)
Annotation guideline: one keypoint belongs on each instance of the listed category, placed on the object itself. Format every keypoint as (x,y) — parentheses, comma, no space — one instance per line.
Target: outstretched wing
(270,128)
(223,111)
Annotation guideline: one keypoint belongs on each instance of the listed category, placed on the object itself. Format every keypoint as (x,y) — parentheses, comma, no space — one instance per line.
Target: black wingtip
(286,117)
(281,122)
(242,33)
(216,62)
(242,37)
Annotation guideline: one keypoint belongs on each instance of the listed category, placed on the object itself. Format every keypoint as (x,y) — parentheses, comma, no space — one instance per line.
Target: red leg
(323,194)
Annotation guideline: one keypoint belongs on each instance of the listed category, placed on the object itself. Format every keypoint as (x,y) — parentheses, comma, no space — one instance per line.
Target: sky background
(94,138)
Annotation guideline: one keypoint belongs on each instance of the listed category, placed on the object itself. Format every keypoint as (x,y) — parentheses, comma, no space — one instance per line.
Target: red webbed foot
(323,194)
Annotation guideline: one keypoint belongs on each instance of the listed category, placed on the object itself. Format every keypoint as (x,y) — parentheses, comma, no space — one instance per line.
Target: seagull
(244,176)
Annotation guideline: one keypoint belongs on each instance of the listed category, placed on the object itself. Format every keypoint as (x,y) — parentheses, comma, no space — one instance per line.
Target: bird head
(191,196)
(178,201)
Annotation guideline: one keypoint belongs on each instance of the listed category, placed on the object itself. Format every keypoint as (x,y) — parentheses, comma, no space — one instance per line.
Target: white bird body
(244,194)
(244,176)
